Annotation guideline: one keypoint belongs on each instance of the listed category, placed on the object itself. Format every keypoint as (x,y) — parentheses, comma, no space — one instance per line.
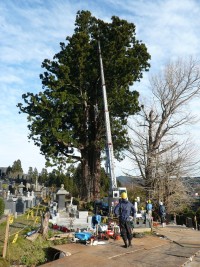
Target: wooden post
(36,213)
(6,236)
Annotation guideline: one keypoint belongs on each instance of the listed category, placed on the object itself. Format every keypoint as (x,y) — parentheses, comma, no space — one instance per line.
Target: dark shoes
(126,245)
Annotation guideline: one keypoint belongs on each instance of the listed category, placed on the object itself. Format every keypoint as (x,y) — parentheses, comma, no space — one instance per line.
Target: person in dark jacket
(125,210)
(162,213)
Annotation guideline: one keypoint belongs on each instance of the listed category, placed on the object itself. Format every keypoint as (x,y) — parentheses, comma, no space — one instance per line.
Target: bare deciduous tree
(168,183)
(161,157)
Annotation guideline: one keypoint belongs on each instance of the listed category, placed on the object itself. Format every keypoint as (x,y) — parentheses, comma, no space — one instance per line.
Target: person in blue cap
(125,210)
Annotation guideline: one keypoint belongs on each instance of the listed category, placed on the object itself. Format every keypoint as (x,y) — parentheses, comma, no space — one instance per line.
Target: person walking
(149,208)
(125,210)
(162,214)
(143,213)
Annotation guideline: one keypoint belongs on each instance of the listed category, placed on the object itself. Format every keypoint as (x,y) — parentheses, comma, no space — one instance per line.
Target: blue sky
(31,31)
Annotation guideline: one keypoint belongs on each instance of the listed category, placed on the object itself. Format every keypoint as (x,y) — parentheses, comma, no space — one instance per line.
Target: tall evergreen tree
(17,170)
(43,177)
(69,113)
(35,175)
(8,171)
(30,174)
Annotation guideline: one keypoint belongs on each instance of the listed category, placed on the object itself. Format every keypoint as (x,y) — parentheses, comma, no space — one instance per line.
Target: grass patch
(24,251)
(28,253)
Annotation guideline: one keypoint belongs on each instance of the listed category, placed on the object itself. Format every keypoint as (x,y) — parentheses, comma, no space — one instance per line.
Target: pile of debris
(98,234)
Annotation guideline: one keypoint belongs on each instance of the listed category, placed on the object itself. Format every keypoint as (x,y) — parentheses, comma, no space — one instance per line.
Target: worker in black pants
(125,210)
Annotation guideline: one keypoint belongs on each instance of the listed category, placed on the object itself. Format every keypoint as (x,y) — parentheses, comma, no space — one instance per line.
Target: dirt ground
(170,246)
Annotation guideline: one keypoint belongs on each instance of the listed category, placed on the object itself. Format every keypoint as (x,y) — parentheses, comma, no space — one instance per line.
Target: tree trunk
(149,169)
(95,172)
(91,172)
(45,224)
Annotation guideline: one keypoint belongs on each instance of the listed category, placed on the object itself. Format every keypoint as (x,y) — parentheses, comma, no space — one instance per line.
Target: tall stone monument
(60,196)
(21,188)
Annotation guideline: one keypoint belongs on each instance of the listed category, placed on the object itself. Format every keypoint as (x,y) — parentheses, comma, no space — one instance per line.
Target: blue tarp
(83,235)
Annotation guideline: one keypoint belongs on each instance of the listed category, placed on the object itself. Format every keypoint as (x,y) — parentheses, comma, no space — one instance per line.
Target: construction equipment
(114,191)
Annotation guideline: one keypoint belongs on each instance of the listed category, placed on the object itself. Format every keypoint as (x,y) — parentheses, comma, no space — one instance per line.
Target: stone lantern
(60,195)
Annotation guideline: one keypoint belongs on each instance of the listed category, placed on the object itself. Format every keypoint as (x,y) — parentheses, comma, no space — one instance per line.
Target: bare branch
(161,158)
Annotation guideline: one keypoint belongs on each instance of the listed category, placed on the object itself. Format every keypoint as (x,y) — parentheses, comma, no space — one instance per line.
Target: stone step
(68,220)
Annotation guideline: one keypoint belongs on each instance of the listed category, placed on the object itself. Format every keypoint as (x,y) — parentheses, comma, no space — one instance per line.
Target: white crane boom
(109,147)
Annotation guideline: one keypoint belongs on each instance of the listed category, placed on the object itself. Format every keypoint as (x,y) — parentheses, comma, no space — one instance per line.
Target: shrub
(2,207)
(4,263)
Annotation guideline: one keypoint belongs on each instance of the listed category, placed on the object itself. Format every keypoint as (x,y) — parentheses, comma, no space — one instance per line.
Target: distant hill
(127,180)
(192,180)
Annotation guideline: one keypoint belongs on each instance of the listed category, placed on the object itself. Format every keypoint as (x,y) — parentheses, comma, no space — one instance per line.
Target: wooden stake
(36,213)
(6,236)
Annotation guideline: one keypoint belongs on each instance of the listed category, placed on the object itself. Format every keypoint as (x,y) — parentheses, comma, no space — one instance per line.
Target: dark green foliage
(2,207)
(104,184)
(137,191)
(56,178)
(8,171)
(188,212)
(16,169)
(69,112)
(43,177)
(104,181)
(198,216)
(72,181)
(198,213)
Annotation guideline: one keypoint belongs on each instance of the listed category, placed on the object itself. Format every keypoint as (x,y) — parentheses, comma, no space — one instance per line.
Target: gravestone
(189,222)
(10,205)
(8,194)
(34,202)
(29,203)
(28,186)
(168,218)
(20,205)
